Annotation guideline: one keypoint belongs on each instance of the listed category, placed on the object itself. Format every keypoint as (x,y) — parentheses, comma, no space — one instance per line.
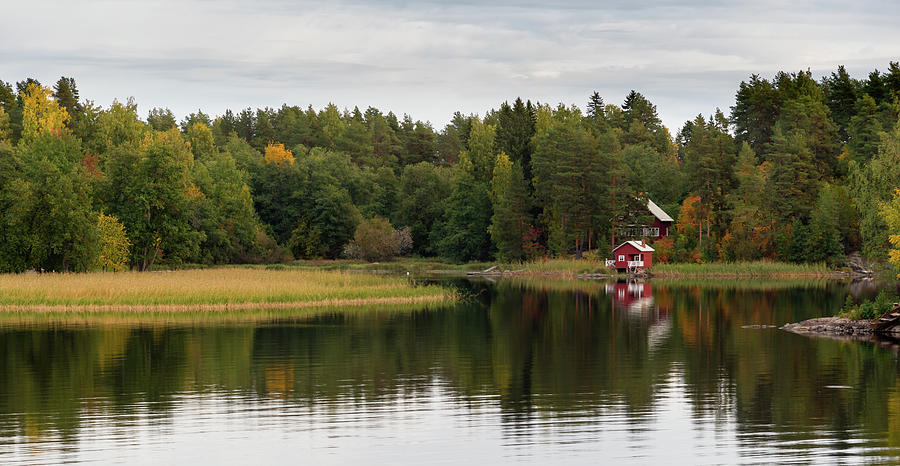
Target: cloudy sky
(430,58)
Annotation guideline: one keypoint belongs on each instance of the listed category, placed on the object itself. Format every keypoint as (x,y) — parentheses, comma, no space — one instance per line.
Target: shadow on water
(626,368)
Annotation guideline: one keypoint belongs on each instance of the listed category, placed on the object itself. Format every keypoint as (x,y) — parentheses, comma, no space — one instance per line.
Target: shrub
(868,310)
(665,248)
(376,240)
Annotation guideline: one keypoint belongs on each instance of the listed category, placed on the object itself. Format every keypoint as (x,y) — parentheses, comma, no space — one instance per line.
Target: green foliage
(514,132)
(872,184)
(803,179)
(883,302)
(149,188)
(511,205)
(49,209)
(223,211)
(709,158)
(306,240)
(755,112)
(161,119)
(463,236)
(117,126)
(568,166)
(200,139)
(423,190)
(864,129)
(793,184)
(5,128)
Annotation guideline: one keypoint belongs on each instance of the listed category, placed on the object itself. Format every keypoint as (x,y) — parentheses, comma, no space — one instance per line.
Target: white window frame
(621,258)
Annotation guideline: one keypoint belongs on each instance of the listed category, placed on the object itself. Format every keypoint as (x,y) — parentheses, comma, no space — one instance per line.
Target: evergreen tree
(842,92)
(568,170)
(864,130)
(514,132)
(161,119)
(754,113)
(66,94)
(708,162)
(793,183)
(511,205)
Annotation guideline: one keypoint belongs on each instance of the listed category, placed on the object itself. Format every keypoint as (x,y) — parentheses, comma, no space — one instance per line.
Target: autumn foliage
(277,154)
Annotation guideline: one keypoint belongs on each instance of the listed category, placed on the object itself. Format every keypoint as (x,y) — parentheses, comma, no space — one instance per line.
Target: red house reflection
(636,298)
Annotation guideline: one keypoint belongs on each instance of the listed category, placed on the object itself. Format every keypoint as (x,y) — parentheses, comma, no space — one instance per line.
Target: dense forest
(800,170)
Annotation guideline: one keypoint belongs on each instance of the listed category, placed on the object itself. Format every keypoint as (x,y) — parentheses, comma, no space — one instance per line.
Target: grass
(209,290)
(742,269)
(155,316)
(566,268)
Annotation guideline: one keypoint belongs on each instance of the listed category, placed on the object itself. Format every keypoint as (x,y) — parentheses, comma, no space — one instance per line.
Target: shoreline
(840,327)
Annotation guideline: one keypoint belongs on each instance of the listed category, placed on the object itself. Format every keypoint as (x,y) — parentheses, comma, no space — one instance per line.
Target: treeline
(800,171)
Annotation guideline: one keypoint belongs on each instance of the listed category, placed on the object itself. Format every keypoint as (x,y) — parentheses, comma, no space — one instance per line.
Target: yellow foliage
(276,153)
(891,213)
(41,113)
(194,192)
(114,244)
(5,132)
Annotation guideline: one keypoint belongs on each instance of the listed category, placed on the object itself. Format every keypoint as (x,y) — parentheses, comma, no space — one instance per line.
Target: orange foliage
(690,217)
(276,153)
(664,249)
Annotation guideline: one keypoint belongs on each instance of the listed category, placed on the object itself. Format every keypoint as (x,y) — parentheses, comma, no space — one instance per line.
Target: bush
(869,310)
(665,249)
(376,240)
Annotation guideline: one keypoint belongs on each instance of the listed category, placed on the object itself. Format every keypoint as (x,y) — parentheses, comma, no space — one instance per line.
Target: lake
(538,372)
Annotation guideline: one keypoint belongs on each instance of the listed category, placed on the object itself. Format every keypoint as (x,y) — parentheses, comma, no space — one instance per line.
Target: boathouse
(632,255)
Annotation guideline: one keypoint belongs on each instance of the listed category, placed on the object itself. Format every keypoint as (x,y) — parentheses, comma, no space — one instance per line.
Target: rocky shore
(832,326)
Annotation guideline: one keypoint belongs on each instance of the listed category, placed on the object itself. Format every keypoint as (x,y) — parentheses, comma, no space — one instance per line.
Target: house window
(654,232)
(621,258)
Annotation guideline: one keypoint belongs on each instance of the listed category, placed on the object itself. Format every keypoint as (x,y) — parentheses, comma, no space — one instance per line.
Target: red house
(662,222)
(631,255)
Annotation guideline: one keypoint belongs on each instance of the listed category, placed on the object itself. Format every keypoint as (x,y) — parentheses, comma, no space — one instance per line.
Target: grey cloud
(432,57)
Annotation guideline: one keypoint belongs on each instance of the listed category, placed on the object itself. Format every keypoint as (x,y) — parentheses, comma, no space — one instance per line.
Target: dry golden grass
(210,289)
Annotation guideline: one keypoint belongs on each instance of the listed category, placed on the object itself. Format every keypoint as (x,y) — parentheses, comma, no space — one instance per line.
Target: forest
(799,170)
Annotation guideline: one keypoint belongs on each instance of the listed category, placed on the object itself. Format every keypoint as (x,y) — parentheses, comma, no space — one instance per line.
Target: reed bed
(564,268)
(208,290)
(155,316)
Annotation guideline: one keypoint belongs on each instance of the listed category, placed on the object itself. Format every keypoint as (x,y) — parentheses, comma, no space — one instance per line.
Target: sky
(430,58)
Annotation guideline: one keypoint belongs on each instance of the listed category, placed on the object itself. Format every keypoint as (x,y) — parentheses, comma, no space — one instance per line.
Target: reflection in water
(552,372)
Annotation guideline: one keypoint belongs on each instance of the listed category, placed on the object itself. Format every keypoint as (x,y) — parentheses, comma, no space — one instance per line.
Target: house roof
(637,245)
(657,212)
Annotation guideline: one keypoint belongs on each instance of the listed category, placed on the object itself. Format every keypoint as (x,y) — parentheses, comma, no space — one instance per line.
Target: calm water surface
(570,372)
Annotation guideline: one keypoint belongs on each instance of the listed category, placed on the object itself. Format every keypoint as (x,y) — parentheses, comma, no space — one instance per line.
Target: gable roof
(637,245)
(657,212)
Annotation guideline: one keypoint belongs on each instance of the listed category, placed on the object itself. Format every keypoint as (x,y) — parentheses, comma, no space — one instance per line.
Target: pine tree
(511,205)
(864,130)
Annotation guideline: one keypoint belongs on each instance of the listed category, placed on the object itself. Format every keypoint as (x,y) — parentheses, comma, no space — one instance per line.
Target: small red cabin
(632,255)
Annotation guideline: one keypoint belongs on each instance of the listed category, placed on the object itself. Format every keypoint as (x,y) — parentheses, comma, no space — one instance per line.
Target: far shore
(586,269)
